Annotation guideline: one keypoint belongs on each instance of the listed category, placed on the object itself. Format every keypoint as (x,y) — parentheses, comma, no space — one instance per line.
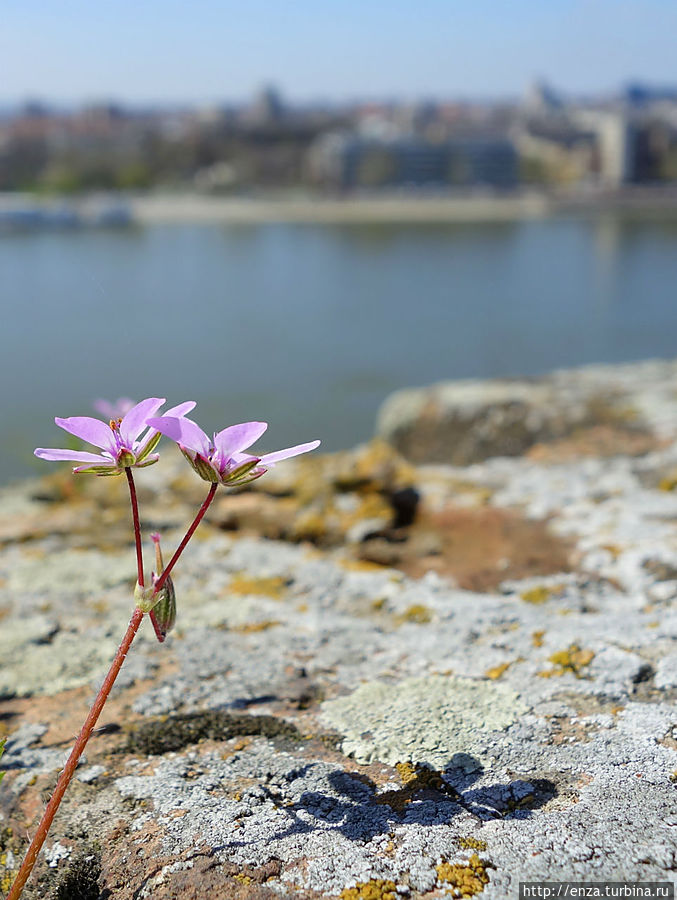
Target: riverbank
(28,212)
(402,208)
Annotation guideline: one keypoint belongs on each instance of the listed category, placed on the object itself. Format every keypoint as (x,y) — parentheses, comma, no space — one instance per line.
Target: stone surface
(463,422)
(321,726)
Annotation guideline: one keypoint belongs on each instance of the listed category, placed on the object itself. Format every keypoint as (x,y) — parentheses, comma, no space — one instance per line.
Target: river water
(308,326)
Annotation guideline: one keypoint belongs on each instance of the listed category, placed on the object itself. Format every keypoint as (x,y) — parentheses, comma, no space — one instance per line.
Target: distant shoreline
(476,207)
(406,209)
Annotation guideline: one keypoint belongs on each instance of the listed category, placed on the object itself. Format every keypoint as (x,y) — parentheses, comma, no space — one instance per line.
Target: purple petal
(72,456)
(269,459)
(238,437)
(113,410)
(178,411)
(242,457)
(184,431)
(135,421)
(94,431)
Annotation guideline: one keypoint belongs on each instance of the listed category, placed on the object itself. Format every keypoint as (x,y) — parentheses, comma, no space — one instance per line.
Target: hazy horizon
(220,52)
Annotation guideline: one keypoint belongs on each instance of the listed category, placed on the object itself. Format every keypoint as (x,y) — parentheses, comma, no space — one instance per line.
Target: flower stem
(137,529)
(71,765)
(179,550)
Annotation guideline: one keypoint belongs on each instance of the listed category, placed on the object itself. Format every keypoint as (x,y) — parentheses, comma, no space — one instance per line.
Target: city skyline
(221,52)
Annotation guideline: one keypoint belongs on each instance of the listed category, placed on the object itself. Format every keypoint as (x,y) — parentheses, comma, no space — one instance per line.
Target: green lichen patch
(168,733)
(71,572)
(426,720)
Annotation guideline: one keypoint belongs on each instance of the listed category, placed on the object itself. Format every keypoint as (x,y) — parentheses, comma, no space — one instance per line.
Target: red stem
(179,550)
(137,529)
(70,767)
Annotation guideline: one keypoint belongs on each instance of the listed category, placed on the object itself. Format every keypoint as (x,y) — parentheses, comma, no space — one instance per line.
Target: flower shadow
(352,804)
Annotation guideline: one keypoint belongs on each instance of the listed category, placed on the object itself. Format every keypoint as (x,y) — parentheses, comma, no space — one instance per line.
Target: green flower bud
(163,614)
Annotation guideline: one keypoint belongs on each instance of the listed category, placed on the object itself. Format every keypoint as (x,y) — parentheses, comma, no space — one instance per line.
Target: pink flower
(221,460)
(126,442)
(114,410)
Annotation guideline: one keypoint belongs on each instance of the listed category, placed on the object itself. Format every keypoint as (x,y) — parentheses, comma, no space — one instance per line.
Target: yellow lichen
(372,506)
(309,525)
(573,660)
(375,889)
(374,467)
(272,586)
(360,565)
(537,638)
(407,772)
(496,671)
(417,613)
(414,778)
(465,879)
(613,549)
(536,595)
(253,627)
(471,843)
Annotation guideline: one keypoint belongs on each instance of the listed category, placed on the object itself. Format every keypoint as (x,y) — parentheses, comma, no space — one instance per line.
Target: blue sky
(208,50)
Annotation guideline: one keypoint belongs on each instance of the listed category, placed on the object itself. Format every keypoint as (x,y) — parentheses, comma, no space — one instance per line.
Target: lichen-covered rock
(318,725)
(463,422)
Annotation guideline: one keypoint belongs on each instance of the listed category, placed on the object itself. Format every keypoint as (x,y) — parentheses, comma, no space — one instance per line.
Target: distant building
(267,108)
(641,95)
(554,149)
(541,98)
(353,161)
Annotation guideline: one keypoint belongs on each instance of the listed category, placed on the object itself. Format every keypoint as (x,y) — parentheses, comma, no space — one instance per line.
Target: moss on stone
(80,881)
(168,733)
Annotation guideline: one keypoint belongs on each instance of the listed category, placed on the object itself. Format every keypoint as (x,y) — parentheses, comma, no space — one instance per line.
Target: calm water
(310,327)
